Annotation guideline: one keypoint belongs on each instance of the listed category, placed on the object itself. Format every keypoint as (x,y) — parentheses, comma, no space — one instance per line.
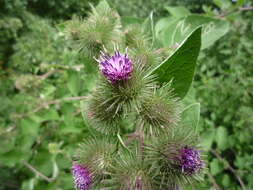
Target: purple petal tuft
(82,177)
(190,160)
(117,67)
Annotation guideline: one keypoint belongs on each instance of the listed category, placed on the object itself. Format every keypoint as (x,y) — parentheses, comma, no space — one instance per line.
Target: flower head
(82,177)
(117,67)
(190,160)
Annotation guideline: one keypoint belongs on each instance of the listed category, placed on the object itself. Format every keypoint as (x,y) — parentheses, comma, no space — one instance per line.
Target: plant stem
(230,168)
(38,172)
(215,184)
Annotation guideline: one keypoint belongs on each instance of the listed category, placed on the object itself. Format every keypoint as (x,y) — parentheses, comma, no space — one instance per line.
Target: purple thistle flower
(82,177)
(117,67)
(190,160)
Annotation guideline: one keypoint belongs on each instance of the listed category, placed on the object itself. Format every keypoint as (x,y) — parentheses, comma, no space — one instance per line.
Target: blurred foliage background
(43,82)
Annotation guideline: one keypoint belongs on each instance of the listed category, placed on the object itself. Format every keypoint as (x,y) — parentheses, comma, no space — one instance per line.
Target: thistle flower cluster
(138,140)
(158,113)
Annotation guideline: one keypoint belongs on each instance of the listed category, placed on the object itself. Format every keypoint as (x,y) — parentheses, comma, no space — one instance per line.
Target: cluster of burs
(137,140)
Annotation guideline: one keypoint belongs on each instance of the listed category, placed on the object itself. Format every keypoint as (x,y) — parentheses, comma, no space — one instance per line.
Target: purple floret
(82,177)
(117,67)
(190,160)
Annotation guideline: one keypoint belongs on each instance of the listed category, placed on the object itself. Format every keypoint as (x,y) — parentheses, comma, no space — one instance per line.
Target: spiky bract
(82,177)
(167,151)
(140,46)
(130,172)
(102,27)
(160,111)
(96,155)
(173,187)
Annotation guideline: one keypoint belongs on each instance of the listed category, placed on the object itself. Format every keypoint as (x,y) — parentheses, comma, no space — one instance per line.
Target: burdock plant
(139,137)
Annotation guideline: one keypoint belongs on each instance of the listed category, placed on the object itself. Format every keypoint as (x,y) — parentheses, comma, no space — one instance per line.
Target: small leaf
(207,139)
(223,4)
(180,66)
(74,82)
(215,166)
(28,184)
(102,5)
(13,157)
(240,3)
(221,137)
(190,115)
(45,115)
(29,127)
(70,125)
(226,180)
(29,131)
(43,162)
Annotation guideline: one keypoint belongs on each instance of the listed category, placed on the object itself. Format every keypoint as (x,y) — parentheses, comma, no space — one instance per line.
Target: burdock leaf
(178,12)
(180,66)
(174,30)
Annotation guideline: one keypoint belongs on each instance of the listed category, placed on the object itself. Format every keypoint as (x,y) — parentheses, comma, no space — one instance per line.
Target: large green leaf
(127,20)
(176,31)
(163,24)
(180,66)
(178,12)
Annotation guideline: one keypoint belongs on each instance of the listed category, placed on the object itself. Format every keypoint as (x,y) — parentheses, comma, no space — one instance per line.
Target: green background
(40,127)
